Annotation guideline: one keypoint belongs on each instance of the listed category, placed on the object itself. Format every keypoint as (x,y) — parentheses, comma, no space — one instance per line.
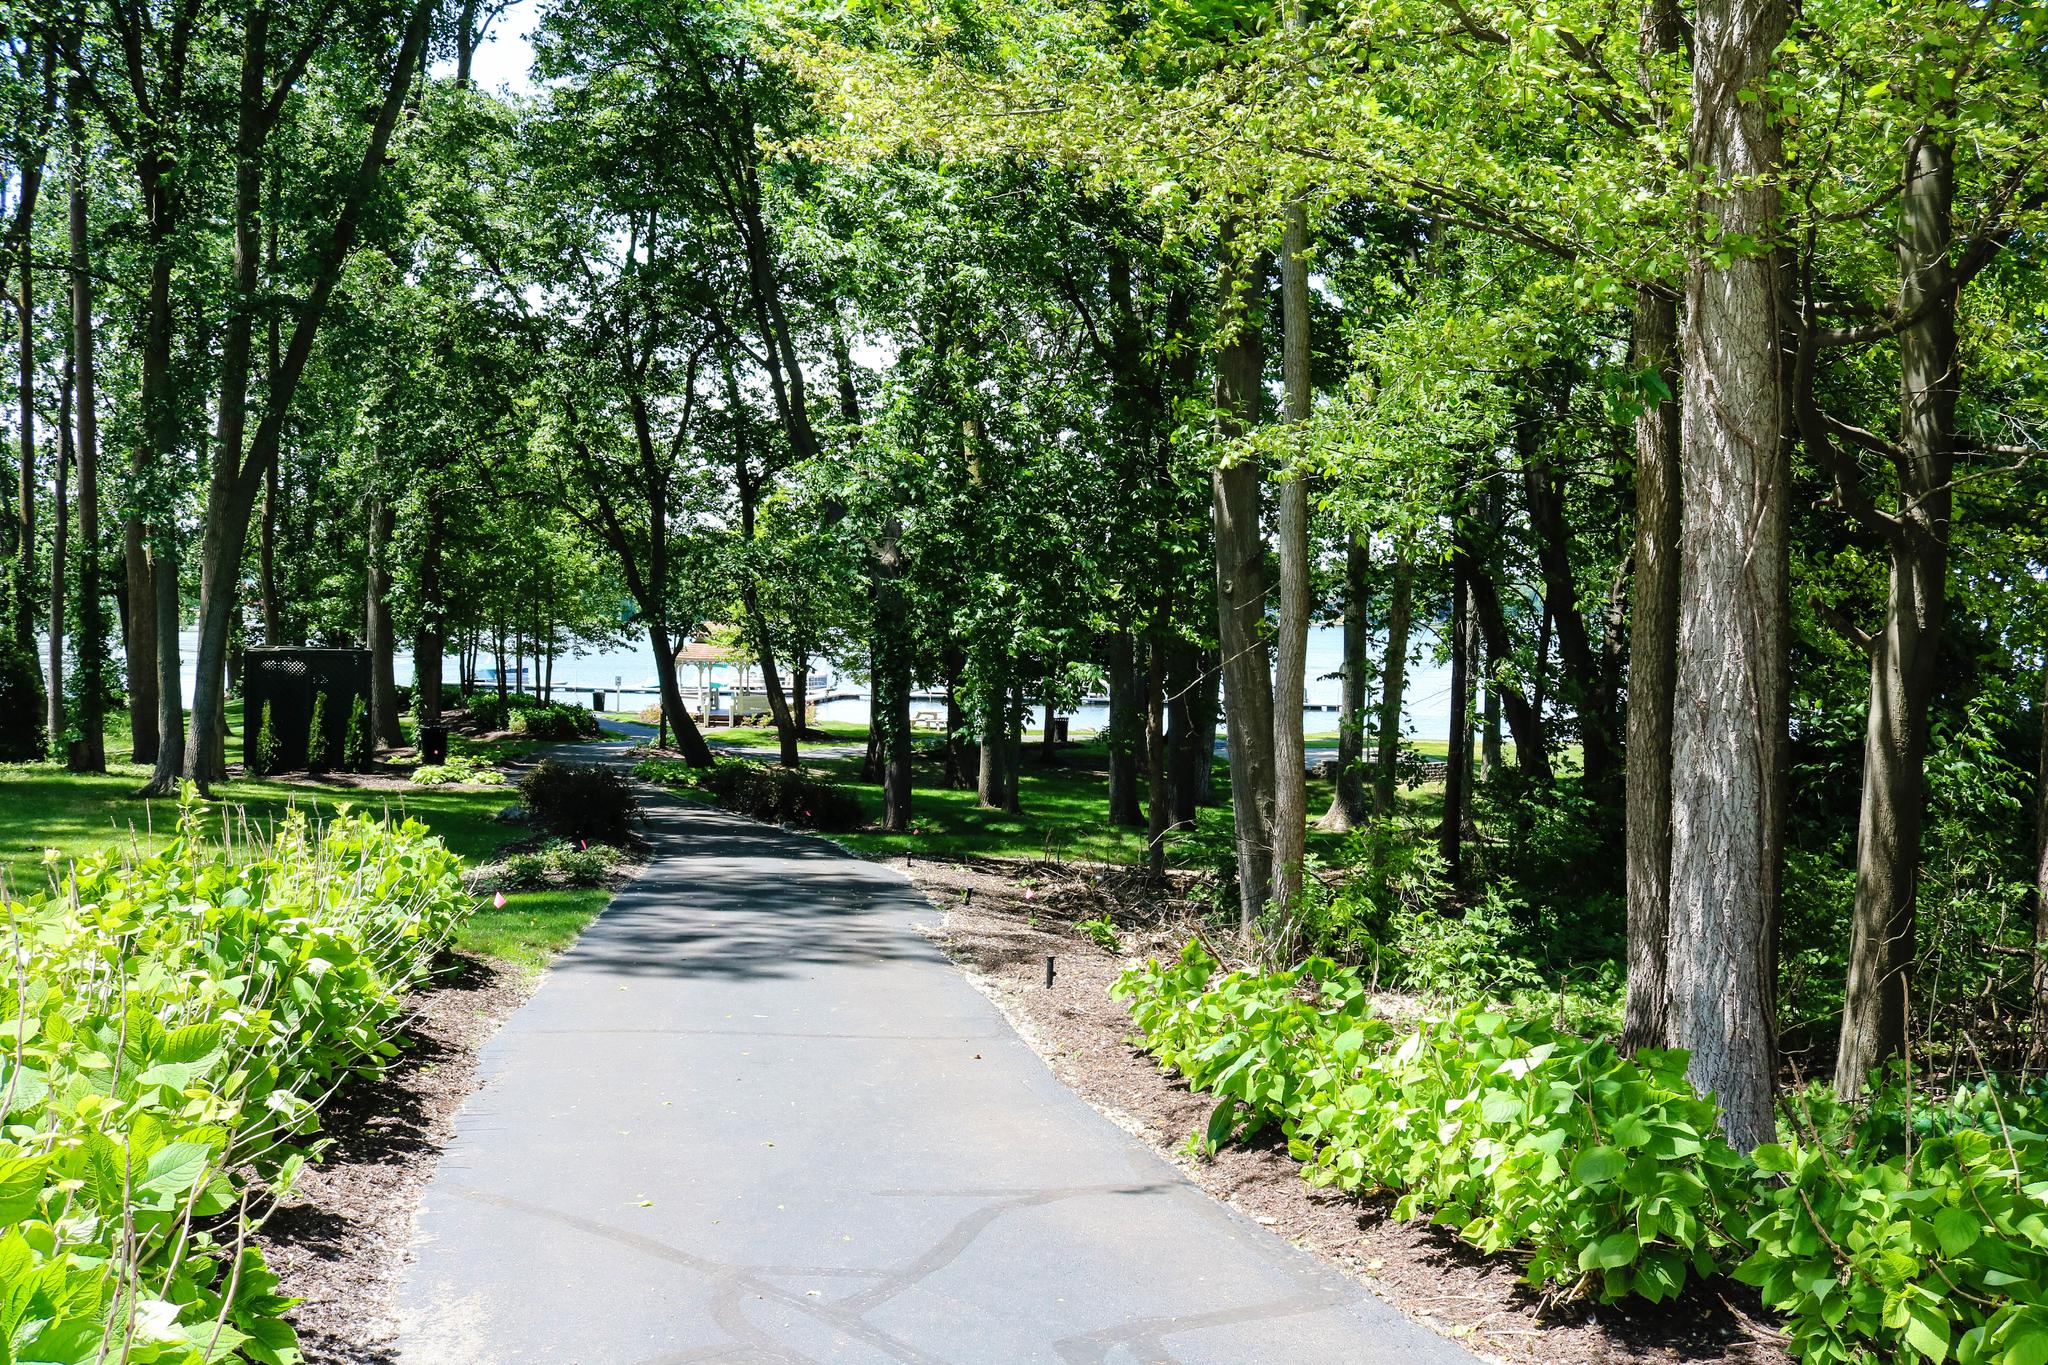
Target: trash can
(433,744)
(597,701)
(1059,730)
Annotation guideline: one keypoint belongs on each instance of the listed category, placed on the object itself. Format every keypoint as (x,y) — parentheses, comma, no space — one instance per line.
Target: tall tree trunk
(1186,732)
(1349,804)
(28,737)
(1489,735)
(24,603)
(1208,717)
(466,38)
(1728,728)
(2037,1055)
(377,630)
(1458,767)
(60,536)
(991,790)
(1652,665)
(89,754)
(1290,534)
(1585,672)
(1126,727)
(893,678)
(1652,629)
(1904,653)
(1394,682)
(1158,798)
(689,739)
(800,688)
(430,640)
(956,723)
(1013,765)
(786,726)
(170,703)
(1489,619)
(1241,591)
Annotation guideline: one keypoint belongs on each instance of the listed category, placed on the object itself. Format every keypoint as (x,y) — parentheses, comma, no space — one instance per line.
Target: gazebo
(705,657)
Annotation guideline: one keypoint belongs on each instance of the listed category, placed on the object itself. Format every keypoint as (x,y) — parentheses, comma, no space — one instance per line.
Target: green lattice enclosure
(288,680)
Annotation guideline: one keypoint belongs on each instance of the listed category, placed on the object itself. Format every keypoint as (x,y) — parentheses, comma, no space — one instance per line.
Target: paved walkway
(754,1116)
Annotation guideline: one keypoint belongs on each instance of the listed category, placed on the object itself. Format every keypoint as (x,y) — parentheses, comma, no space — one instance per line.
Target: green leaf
(176,1169)
(1927,1330)
(1773,1157)
(1956,1230)
(1616,1249)
(2030,1347)
(1598,1166)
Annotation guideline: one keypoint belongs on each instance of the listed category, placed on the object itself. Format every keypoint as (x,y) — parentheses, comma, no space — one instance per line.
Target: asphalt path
(753,1115)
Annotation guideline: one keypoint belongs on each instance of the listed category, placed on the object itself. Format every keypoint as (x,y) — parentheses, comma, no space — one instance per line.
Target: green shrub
(1102,931)
(779,796)
(317,758)
(559,863)
(555,721)
(179,1018)
(267,759)
(355,741)
(530,716)
(1463,955)
(1604,1170)
(1912,1232)
(580,801)
(1877,1245)
(460,769)
(1391,872)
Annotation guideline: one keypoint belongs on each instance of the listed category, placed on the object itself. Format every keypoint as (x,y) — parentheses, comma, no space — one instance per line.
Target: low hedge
(778,796)
(555,721)
(530,716)
(1608,1173)
(179,1019)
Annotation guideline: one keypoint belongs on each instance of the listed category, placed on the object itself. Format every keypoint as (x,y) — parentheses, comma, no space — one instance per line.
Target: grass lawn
(42,806)
(767,737)
(1062,818)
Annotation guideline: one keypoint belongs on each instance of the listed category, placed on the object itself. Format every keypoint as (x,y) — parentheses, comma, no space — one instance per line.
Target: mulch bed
(340,1245)
(1001,935)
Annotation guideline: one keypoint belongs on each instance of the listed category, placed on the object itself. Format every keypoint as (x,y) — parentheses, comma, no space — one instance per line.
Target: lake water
(627,672)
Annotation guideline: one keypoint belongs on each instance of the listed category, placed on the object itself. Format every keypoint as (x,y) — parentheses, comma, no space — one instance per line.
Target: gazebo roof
(698,652)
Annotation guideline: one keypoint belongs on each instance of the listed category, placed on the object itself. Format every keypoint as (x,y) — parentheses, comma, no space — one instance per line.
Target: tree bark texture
(1290,534)
(1904,652)
(892,678)
(2037,1056)
(89,754)
(1241,596)
(1394,679)
(1126,724)
(1458,767)
(1349,803)
(377,630)
(1652,665)
(1728,726)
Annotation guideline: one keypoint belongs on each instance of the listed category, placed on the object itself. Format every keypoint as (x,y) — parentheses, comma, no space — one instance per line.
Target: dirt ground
(340,1244)
(1002,919)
